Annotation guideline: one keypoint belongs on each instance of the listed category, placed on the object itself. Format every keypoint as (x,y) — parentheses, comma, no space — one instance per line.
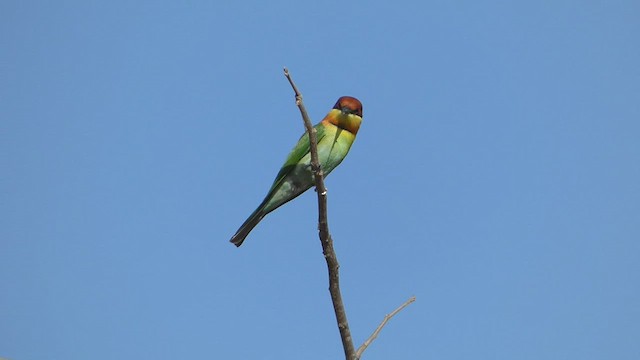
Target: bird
(335,135)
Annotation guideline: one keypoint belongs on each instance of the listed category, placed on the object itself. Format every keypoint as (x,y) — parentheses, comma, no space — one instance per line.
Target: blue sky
(496,177)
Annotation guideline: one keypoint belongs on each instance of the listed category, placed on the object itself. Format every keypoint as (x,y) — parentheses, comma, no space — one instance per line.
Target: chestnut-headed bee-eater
(335,134)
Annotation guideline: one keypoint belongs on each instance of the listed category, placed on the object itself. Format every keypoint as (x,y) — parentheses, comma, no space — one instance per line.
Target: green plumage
(295,176)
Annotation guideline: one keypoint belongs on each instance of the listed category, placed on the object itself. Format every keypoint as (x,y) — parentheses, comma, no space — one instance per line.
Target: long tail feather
(246,227)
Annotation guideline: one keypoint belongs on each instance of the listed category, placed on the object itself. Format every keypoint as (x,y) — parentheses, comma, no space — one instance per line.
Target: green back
(301,149)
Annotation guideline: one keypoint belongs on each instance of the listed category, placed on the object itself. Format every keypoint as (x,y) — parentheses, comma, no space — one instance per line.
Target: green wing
(301,149)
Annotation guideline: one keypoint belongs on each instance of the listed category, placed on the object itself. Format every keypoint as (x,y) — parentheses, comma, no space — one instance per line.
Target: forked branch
(323,228)
(327,242)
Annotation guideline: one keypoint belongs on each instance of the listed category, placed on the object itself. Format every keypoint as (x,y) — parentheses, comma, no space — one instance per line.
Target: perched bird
(335,134)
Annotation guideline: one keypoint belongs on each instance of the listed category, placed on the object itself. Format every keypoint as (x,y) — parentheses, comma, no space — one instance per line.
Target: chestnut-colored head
(349,105)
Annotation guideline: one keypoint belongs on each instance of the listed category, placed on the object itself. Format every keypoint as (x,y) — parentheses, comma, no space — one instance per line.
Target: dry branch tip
(384,322)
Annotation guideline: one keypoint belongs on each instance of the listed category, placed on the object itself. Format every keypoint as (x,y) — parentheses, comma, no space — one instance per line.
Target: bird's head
(346,114)
(349,105)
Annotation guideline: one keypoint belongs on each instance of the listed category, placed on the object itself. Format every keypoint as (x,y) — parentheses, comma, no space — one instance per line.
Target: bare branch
(384,322)
(323,228)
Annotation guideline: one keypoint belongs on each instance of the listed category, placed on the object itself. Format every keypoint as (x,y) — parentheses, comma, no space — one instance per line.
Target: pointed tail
(247,226)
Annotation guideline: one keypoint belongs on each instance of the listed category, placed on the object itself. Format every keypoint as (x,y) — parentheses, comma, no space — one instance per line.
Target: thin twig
(384,322)
(323,228)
